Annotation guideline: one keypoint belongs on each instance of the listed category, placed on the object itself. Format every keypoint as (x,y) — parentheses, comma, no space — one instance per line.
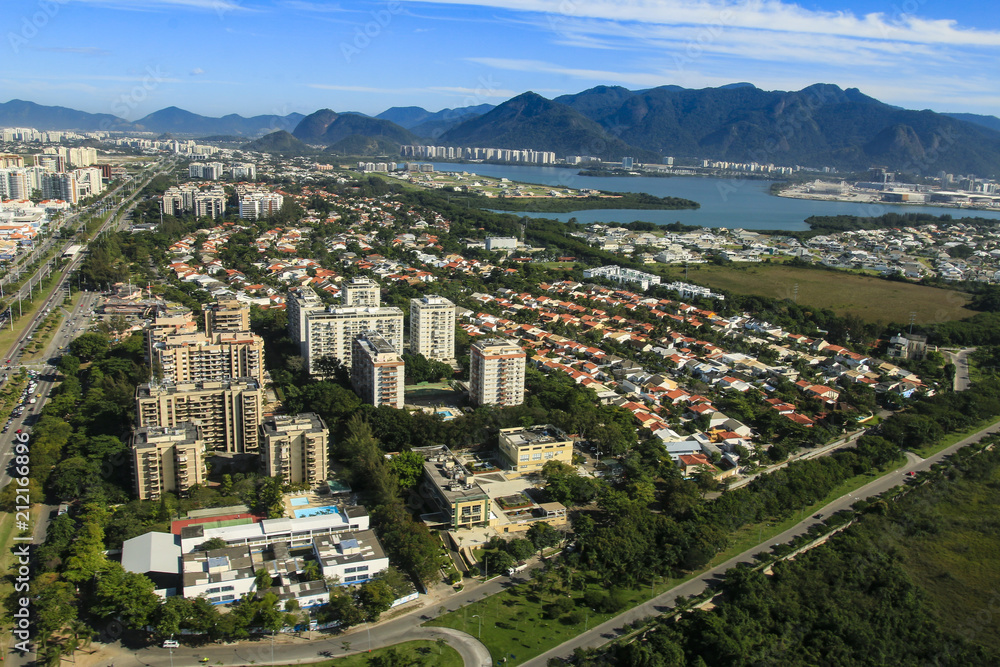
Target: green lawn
(870,298)
(413,653)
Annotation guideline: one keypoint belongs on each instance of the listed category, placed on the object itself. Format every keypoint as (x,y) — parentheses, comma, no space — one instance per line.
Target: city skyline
(216,57)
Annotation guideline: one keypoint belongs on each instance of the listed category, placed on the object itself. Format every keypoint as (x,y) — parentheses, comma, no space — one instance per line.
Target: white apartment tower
(432,328)
(377,371)
(496,374)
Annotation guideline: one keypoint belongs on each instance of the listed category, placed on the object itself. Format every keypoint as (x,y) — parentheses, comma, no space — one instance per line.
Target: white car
(171,643)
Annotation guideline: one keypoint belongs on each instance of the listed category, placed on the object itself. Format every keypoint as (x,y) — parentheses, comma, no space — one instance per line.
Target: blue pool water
(299,502)
(315,511)
(446,414)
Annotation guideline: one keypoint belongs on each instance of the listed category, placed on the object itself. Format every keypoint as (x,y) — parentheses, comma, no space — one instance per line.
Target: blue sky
(132,57)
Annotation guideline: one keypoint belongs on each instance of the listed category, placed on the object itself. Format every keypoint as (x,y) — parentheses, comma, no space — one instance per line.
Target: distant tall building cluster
(75,157)
(213,171)
(470,153)
(189,198)
(256,204)
(51,180)
(208,396)
(496,372)
(209,171)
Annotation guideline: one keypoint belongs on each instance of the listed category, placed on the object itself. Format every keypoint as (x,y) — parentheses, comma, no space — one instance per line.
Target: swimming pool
(446,414)
(299,502)
(315,511)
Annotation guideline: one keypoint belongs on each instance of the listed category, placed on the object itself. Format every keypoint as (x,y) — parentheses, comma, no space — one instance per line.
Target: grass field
(411,653)
(870,298)
(951,548)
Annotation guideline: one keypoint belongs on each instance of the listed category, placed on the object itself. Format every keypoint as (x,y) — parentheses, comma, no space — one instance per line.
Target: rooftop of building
(149,389)
(151,436)
(448,474)
(533,435)
(376,342)
(304,421)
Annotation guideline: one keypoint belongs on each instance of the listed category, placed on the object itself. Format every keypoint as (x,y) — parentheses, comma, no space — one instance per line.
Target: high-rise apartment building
(60,186)
(330,332)
(432,328)
(196,357)
(257,204)
(15,184)
(361,292)
(295,446)
(496,373)
(210,202)
(298,305)
(167,459)
(226,315)
(377,371)
(229,413)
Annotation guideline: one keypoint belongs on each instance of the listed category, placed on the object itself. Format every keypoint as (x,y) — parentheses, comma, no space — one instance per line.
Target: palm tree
(82,632)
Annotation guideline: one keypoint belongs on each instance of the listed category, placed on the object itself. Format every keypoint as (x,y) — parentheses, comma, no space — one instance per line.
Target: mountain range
(821,125)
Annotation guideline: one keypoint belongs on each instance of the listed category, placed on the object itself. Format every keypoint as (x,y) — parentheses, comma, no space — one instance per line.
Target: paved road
(608,630)
(961,361)
(295,649)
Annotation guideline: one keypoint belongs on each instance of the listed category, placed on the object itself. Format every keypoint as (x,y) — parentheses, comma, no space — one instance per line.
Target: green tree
(374,597)
(408,467)
(543,536)
(126,595)
(89,346)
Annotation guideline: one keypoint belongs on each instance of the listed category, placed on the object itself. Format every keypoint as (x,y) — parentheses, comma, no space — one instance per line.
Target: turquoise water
(725,202)
(316,511)
(299,502)
(446,414)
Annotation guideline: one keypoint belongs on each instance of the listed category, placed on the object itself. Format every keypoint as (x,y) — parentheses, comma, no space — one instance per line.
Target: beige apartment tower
(496,373)
(295,446)
(195,357)
(432,328)
(377,371)
(226,315)
(229,413)
(167,459)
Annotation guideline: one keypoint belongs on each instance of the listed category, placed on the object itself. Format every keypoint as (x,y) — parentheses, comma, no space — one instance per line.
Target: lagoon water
(725,202)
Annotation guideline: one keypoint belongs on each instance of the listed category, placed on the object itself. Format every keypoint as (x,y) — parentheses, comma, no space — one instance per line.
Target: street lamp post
(368,628)
(171,649)
(480,624)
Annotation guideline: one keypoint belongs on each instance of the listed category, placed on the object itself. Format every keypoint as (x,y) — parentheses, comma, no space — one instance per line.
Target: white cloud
(197,71)
(767,15)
